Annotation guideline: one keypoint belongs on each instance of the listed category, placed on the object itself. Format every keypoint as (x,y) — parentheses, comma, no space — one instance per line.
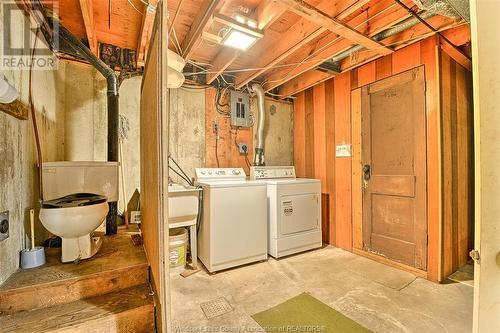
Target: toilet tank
(64,178)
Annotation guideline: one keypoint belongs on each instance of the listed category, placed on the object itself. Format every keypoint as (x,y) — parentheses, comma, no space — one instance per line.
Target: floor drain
(216,307)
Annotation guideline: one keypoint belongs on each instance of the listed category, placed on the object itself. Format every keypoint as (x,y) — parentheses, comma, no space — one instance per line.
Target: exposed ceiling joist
(458,35)
(145,32)
(303,82)
(199,25)
(327,48)
(319,17)
(268,12)
(302,33)
(88,20)
(223,60)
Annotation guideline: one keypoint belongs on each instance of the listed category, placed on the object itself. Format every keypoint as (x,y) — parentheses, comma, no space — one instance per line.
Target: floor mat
(305,313)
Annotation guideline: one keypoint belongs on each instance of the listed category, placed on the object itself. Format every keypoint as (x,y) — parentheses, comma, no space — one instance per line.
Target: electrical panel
(240,109)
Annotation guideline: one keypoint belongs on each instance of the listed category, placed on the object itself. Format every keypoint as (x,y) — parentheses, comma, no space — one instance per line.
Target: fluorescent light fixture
(252,24)
(240,19)
(238,40)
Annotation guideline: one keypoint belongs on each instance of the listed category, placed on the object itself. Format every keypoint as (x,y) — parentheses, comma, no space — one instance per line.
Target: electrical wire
(137,10)
(217,149)
(33,118)
(181,170)
(245,148)
(180,175)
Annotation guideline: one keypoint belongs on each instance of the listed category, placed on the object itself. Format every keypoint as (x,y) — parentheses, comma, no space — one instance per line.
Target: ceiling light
(240,19)
(239,40)
(252,24)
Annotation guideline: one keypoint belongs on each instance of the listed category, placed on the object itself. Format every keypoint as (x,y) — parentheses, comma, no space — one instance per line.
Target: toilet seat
(75,200)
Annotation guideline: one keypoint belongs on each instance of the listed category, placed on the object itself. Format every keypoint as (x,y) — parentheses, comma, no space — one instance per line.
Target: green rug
(305,313)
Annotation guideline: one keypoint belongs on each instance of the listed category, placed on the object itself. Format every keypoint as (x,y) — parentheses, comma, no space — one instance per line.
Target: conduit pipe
(431,8)
(113,109)
(259,147)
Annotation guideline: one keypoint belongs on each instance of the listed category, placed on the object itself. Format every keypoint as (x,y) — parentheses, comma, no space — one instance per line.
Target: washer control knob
(236,172)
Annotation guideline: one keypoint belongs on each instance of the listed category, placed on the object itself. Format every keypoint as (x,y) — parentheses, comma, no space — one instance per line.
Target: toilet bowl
(74,217)
(76,196)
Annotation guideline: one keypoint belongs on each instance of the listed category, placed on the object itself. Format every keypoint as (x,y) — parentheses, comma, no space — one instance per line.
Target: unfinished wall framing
(323,119)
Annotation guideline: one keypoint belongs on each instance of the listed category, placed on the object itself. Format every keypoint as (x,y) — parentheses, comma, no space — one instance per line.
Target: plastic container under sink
(178,240)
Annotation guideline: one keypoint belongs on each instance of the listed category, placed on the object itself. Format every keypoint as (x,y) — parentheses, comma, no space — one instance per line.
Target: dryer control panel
(220,174)
(272,172)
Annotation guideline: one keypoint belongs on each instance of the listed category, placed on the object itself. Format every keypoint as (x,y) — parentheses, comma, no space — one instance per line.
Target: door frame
(357,102)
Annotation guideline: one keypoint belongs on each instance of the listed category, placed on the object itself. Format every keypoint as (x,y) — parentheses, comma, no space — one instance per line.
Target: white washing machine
(233,231)
(294,210)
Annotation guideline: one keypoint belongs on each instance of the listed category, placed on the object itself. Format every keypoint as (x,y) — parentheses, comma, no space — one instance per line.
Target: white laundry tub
(182,204)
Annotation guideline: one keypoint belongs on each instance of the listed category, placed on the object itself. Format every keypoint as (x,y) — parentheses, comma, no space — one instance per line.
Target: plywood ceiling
(298,35)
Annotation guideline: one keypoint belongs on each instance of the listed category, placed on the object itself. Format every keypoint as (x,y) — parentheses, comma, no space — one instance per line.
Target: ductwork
(113,109)
(431,8)
(259,147)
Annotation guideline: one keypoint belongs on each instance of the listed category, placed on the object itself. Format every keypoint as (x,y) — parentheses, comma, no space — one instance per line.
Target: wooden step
(118,265)
(127,310)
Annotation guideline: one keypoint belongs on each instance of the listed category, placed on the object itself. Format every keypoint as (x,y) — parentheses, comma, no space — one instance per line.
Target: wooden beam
(222,61)
(145,32)
(327,48)
(320,18)
(268,12)
(16,109)
(305,81)
(87,9)
(300,34)
(199,25)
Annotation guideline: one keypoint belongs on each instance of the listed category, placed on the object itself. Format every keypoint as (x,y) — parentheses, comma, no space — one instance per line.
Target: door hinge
(474,254)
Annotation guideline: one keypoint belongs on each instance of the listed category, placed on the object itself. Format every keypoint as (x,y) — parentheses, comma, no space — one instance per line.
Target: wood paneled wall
(322,120)
(457,156)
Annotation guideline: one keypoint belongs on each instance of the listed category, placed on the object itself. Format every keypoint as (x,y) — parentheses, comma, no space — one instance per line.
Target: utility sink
(182,204)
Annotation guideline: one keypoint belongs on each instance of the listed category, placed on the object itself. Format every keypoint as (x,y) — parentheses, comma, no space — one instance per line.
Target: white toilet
(76,196)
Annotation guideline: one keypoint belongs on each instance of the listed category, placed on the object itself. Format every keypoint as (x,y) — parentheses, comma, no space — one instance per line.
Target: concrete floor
(381,298)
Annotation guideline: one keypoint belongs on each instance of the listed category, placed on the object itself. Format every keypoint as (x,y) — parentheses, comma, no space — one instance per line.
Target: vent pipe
(259,147)
(113,109)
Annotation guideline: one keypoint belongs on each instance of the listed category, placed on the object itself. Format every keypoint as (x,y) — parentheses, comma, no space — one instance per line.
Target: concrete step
(127,310)
(118,265)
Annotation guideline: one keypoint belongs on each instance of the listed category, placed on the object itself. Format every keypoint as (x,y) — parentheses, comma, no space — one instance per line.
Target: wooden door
(393,168)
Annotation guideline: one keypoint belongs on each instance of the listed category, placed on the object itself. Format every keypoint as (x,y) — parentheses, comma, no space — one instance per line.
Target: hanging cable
(180,175)
(181,170)
(33,118)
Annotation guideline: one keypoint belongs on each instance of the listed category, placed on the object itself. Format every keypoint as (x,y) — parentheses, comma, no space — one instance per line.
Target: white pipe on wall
(8,93)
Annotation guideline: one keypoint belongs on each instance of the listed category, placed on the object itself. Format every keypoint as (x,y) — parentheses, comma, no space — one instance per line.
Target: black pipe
(113,110)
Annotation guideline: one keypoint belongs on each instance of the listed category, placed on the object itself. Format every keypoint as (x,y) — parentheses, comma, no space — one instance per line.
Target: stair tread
(83,314)
(117,252)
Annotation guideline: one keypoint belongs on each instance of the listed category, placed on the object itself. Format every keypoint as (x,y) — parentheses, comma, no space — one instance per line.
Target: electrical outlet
(243,148)
(4,225)
(215,127)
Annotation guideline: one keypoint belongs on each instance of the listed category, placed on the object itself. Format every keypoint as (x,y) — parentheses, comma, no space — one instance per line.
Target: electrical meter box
(240,109)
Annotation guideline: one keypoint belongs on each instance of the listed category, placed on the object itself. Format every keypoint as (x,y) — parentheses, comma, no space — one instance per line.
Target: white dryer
(233,231)
(294,210)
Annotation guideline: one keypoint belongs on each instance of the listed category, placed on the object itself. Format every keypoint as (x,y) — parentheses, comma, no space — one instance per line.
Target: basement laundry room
(249,166)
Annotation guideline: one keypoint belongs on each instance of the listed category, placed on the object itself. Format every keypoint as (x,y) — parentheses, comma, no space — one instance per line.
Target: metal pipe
(113,110)
(406,24)
(259,147)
